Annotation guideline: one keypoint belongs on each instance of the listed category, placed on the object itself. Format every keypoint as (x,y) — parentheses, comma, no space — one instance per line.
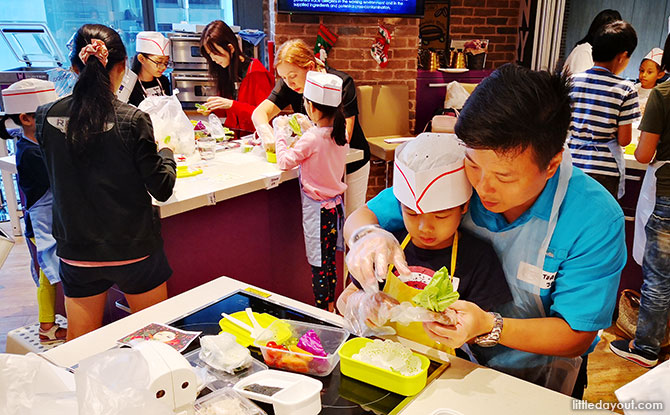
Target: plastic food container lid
(226,402)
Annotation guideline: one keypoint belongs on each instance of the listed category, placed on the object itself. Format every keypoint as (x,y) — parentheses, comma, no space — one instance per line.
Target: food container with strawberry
(301,347)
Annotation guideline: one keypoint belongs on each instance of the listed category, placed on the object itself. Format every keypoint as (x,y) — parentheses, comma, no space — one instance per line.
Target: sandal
(48,337)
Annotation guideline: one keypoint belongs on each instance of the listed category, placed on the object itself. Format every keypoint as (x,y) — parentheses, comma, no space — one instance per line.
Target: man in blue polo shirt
(559,234)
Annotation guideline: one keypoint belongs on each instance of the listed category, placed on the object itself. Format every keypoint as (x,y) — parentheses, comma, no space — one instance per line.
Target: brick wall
(496,20)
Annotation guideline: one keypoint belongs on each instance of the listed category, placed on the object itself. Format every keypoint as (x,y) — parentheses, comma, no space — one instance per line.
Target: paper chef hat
(323,88)
(26,95)
(152,43)
(656,54)
(429,173)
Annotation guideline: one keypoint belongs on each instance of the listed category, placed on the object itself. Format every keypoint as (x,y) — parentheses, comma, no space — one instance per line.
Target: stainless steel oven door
(194,87)
(186,52)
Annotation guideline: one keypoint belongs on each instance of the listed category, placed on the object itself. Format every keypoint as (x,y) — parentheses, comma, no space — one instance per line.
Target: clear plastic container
(226,402)
(223,379)
(287,333)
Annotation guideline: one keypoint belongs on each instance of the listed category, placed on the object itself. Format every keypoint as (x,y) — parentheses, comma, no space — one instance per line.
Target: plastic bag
(406,313)
(116,382)
(29,385)
(169,119)
(366,314)
(215,127)
(222,352)
(291,127)
(456,95)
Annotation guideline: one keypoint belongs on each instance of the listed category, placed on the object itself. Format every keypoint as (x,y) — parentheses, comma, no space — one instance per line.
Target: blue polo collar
(496,222)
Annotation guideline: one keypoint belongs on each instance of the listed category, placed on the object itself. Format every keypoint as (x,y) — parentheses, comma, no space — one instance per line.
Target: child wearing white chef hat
(20,101)
(651,73)
(320,152)
(433,191)
(151,60)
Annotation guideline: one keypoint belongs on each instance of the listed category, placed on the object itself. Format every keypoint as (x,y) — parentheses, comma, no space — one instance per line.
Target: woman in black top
(103,164)
(293,60)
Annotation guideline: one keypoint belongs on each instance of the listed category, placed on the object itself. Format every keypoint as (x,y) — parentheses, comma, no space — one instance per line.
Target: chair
(383,112)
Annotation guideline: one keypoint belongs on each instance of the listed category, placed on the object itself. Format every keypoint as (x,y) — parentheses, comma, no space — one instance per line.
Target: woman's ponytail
(339,133)
(92,103)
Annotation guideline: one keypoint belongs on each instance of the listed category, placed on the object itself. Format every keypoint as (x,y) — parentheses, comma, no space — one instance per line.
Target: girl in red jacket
(228,65)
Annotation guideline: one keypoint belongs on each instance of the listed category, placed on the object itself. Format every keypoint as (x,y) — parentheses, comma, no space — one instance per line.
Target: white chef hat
(429,173)
(26,95)
(656,54)
(152,43)
(323,88)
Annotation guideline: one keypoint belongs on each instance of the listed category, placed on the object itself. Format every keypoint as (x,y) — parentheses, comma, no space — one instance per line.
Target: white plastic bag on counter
(652,388)
(169,119)
(222,352)
(456,95)
(116,382)
(31,386)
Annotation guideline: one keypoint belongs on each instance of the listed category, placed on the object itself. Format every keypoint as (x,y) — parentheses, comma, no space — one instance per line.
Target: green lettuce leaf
(295,126)
(438,294)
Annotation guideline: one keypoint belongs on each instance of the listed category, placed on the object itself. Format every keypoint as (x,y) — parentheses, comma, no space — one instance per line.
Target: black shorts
(136,278)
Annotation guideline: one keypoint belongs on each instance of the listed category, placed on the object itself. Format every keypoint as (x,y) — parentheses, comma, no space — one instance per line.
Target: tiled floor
(18,307)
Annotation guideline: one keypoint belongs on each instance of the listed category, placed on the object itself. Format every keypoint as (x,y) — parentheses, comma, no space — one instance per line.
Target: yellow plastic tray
(241,335)
(183,171)
(271,157)
(382,378)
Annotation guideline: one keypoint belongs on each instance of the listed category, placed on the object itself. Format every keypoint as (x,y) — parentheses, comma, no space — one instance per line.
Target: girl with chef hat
(241,82)
(151,60)
(20,101)
(320,152)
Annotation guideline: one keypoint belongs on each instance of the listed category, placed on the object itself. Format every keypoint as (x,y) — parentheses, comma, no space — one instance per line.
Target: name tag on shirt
(535,276)
(454,282)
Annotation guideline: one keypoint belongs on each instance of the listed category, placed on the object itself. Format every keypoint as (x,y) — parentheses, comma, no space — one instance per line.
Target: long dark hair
(601,19)
(218,33)
(4,134)
(92,97)
(339,133)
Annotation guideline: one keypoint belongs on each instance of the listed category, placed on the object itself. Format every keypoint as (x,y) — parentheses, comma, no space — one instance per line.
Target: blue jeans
(655,300)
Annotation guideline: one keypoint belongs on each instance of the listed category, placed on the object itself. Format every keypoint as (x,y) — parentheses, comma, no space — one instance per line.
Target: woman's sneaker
(622,348)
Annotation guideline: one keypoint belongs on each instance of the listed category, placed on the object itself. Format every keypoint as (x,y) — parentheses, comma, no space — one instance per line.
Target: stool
(27,339)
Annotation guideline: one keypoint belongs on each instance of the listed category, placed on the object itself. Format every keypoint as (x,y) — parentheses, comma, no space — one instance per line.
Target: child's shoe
(51,336)
(623,348)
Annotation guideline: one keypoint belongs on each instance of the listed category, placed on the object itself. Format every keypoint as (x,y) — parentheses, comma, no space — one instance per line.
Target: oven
(194,87)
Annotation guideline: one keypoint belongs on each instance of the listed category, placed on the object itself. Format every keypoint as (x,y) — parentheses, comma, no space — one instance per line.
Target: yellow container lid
(382,378)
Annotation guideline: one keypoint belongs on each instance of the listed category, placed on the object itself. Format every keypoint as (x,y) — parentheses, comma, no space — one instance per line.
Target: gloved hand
(304,121)
(366,314)
(406,313)
(281,128)
(370,255)
(267,137)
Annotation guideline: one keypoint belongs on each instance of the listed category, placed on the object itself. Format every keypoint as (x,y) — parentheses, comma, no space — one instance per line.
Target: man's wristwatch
(492,338)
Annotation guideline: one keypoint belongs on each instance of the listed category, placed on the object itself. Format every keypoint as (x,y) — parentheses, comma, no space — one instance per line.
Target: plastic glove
(267,137)
(366,314)
(281,129)
(406,313)
(369,258)
(304,121)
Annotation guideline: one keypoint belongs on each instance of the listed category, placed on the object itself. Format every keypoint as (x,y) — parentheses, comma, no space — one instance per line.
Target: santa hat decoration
(655,55)
(152,43)
(429,173)
(323,88)
(26,95)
